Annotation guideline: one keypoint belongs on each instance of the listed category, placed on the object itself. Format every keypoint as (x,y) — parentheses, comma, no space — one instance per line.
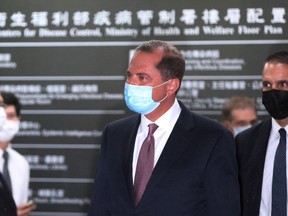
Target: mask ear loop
(160,84)
(163,99)
(166,93)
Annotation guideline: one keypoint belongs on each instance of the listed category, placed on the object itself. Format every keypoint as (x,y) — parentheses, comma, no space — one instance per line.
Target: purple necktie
(145,163)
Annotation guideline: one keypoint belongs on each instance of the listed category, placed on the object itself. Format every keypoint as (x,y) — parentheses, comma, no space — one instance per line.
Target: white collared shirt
(165,126)
(266,196)
(19,171)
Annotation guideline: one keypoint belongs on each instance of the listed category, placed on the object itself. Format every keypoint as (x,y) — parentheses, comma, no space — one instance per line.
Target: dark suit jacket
(7,205)
(196,174)
(251,153)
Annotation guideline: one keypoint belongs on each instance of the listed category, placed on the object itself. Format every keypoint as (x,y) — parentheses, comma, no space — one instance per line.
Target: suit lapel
(258,162)
(131,131)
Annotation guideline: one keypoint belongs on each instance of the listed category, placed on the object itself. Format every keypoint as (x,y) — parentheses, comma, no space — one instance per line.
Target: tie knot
(5,155)
(152,128)
(282,132)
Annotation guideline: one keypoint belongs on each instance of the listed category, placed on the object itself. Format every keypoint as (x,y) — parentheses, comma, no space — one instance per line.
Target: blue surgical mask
(240,129)
(139,98)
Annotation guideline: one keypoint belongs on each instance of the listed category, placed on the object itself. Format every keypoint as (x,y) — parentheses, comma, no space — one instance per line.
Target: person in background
(261,150)
(17,165)
(7,204)
(239,113)
(186,164)
(3,116)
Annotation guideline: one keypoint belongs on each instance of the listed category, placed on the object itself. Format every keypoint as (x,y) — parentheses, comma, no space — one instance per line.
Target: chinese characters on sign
(187,22)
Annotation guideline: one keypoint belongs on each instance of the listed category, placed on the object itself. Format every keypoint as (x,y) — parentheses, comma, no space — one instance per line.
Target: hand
(25,209)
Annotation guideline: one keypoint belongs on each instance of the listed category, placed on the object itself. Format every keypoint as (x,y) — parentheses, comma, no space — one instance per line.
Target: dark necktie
(279,184)
(1,180)
(6,174)
(145,163)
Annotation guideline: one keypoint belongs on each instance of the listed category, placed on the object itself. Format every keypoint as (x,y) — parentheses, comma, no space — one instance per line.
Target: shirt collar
(166,120)
(275,129)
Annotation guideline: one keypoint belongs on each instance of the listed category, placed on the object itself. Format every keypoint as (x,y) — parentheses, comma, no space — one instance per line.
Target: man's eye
(128,76)
(3,105)
(284,84)
(11,116)
(266,85)
(142,77)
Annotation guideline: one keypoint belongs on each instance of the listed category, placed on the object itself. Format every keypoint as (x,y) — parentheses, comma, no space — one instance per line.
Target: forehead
(142,59)
(275,71)
(244,113)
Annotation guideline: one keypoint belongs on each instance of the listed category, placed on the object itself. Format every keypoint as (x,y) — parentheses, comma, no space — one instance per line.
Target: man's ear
(227,124)
(173,86)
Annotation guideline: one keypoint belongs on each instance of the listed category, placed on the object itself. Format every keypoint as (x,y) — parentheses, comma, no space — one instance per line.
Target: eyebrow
(138,73)
(277,81)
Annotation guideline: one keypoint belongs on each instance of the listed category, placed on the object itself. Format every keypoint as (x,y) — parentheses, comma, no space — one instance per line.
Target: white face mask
(3,117)
(240,129)
(9,130)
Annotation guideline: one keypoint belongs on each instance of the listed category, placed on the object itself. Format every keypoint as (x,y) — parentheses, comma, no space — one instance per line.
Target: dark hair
(278,57)
(11,99)
(172,64)
(237,102)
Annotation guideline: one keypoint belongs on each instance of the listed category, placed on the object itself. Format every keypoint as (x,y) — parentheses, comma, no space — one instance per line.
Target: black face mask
(276,103)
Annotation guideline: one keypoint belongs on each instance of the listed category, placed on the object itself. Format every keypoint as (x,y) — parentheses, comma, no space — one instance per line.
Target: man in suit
(18,167)
(195,168)
(7,204)
(239,113)
(256,147)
